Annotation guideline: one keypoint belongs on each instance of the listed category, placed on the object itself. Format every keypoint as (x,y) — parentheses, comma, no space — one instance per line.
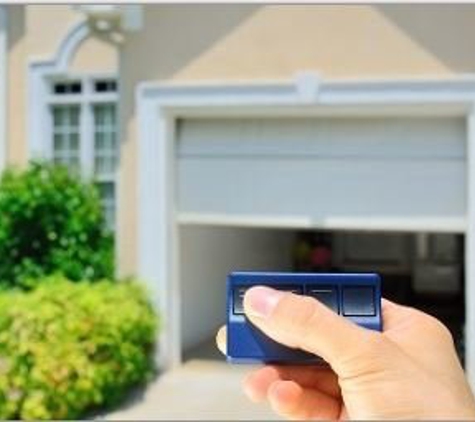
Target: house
(232,127)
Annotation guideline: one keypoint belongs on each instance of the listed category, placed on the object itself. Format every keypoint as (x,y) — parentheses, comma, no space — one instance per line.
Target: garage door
(323,172)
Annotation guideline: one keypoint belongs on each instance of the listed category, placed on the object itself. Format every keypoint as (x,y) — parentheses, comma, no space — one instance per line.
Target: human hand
(409,371)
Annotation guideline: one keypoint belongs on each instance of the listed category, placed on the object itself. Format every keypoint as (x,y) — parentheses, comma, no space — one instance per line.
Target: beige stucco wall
(231,42)
(36,33)
(95,55)
(16,92)
(251,41)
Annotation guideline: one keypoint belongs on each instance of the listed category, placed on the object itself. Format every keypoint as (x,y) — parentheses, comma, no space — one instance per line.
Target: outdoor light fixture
(113,19)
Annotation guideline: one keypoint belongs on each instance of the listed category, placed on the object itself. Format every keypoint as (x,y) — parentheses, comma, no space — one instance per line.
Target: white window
(83,132)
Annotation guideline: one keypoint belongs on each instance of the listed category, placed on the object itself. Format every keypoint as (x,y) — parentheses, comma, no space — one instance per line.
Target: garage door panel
(321,189)
(319,169)
(337,137)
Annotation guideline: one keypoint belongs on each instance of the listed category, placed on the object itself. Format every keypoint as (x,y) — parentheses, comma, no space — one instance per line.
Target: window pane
(66,135)
(59,88)
(105,140)
(58,117)
(107,193)
(110,142)
(108,116)
(74,141)
(64,88)
(107,190)
(74,116)
(75,88)
(99,115)
(106,85)
(100,166)
(73,162)
(100,140)
(59,143)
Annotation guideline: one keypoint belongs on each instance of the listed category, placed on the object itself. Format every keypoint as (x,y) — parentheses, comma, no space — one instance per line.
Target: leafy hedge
(51,222)
(68,348)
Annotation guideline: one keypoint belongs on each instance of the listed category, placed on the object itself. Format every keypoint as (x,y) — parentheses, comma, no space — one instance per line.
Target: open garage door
(388,173)
(395,174)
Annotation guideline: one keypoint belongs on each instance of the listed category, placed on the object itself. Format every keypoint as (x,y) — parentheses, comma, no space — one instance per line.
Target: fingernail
(260,301)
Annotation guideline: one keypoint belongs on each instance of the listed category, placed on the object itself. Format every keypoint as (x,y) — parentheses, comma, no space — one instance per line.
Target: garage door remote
(356,296)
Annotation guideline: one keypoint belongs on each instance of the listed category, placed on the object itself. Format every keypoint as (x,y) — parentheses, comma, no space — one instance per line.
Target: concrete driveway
(199,389)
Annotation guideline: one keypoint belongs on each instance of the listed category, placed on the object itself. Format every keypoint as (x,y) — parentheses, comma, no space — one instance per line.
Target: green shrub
(68,348)
(51,222)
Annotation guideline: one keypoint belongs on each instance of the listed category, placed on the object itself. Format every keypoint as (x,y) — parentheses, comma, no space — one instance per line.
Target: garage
(231,175)
(423,270)
(263,178)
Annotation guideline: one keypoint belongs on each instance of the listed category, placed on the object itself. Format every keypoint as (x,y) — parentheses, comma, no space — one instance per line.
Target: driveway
(199,389)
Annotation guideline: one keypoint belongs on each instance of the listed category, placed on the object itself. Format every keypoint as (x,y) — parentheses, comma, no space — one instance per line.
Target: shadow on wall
(16,32)
(190,38)
(432,27)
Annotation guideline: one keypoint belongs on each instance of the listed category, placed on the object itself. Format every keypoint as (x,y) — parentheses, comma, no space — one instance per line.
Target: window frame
(86,100)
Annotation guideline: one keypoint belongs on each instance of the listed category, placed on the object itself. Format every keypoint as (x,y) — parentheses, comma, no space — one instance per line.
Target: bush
(51,222)
(67,348)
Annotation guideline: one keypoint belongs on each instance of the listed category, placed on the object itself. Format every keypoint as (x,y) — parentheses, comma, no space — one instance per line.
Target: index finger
(221,340)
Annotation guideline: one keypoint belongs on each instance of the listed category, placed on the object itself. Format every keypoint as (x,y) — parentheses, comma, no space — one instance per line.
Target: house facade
(218,131)
(61,100)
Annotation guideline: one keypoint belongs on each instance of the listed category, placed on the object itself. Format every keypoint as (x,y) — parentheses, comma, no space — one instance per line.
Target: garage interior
(424,270)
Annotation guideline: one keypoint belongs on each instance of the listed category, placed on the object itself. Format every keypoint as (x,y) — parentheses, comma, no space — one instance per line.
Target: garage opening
(237,175)
(418,269)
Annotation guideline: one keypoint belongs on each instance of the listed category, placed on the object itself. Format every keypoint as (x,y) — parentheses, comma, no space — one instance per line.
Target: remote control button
(359,301)
(326,295)
(240,291)
(298,290)
(238,298)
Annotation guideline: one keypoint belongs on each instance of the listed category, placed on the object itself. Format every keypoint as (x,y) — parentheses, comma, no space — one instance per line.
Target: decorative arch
(67,49)
(39,71)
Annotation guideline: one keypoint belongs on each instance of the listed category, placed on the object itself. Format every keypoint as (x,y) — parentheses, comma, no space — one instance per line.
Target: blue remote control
(354,296)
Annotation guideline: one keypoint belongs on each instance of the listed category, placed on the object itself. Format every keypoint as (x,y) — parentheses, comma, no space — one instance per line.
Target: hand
(410,371)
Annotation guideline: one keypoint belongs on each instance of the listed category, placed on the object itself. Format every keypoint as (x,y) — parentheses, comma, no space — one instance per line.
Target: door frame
(160,105)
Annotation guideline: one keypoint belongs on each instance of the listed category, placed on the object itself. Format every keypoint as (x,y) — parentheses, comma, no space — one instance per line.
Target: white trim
(3,86)
(447,225)
(86,147)
(156,154)
(454,94)
(470,252)
(159,105)
(91,97)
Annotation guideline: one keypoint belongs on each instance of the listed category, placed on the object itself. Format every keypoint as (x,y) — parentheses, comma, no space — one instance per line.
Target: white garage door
(323,172)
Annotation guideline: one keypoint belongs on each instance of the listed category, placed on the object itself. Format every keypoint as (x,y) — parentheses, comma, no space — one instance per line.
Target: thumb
(303,322)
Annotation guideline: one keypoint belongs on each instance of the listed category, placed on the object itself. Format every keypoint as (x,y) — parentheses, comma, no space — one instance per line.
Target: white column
(157,237)
(3,86)
(470,252)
